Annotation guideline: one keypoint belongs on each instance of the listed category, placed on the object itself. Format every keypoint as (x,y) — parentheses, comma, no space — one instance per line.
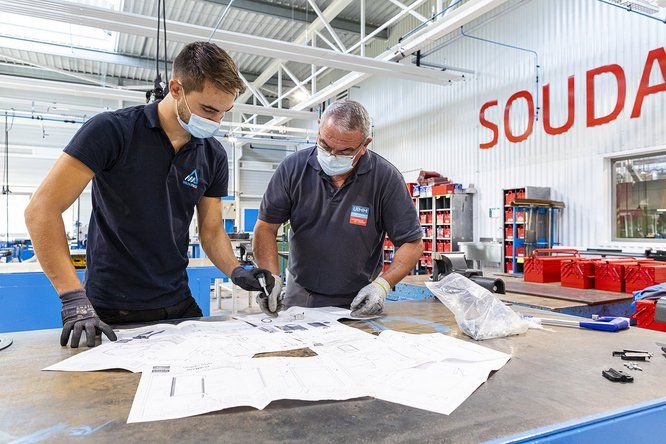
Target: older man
(341,199)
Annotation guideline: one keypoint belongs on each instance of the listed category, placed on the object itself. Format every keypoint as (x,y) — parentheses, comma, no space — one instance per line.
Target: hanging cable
(166,56)
(536,63)
(159,87)
(5,171)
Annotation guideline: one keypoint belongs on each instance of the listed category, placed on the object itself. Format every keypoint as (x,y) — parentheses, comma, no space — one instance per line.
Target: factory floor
(245,301)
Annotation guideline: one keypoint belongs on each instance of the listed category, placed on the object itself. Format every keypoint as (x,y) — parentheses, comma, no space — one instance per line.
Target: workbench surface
(552,377)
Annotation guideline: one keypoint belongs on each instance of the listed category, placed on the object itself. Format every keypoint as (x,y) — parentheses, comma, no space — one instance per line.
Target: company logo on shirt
(192,179)
(359,215)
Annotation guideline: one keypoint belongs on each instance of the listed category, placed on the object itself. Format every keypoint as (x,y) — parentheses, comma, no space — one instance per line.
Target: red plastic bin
(645,316)
(577,273)
(544,269)
(643,275)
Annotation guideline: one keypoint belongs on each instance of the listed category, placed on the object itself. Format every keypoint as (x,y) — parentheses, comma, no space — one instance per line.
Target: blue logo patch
(192,179)
(359,215)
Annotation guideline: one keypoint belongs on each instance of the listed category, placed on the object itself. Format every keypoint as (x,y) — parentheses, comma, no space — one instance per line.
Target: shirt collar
(365,163)
(153,121)
(150,111)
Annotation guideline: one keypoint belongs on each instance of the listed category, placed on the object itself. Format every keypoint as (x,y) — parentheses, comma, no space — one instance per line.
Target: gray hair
(349,116)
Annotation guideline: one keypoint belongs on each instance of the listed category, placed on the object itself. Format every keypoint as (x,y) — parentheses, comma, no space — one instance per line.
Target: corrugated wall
(437,128)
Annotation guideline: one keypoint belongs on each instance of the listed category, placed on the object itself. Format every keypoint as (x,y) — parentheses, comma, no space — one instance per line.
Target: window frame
(613,192)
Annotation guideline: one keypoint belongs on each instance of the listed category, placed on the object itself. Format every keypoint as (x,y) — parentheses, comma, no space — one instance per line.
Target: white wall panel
(437,128)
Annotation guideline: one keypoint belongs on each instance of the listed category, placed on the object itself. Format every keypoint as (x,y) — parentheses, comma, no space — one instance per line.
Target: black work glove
(78,314)
(248,279)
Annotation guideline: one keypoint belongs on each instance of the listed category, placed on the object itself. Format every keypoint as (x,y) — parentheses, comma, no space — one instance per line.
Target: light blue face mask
(334,164)
(198,126)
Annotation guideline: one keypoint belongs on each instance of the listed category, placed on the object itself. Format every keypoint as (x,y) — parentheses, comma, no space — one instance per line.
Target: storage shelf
(444,238)
(511,223)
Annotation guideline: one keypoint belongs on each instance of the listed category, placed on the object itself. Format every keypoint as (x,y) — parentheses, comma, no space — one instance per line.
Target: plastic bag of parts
(479,314)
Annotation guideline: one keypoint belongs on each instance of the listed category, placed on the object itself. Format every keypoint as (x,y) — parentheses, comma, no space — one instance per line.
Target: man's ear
(367,142)
(175,89)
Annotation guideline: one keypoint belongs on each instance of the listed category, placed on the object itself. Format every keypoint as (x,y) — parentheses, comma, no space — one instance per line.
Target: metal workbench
(552,377)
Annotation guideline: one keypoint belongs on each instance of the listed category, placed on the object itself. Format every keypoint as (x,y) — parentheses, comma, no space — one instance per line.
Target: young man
(341,200)
(150,166)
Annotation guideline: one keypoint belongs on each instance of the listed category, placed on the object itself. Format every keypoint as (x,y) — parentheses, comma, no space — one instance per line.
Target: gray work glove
(370,299)
(271,304)
(248,279)
(78,314)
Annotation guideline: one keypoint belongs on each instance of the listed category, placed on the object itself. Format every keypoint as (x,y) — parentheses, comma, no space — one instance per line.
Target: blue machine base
(29,302)
(642,423)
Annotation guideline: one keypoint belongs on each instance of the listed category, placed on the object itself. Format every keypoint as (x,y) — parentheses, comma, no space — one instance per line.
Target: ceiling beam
(450,22)
(330,13)
(87,54)
(72,89)
(102,18)
(298,14)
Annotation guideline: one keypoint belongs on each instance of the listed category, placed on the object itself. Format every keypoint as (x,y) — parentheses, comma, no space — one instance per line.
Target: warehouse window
(29,30)
(639,196)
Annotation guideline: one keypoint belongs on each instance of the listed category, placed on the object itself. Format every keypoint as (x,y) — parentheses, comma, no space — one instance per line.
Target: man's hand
(249,279)
(370,300)
(271,304)
(78,314)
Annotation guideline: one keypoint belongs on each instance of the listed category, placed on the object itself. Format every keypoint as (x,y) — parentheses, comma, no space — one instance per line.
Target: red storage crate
(520,194)
(447,246)
(509,197)
(577,273)
(643,275)
(520,251)
(508,215)
(447,232)
(521,232)
(645,316)
(508,232)
(520,216)
(543,269)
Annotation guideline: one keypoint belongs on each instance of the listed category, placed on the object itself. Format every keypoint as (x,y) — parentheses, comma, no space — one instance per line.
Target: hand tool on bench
(603,323)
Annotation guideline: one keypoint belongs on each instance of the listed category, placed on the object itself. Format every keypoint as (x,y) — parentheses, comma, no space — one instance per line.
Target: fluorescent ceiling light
(299,95)
(32,28)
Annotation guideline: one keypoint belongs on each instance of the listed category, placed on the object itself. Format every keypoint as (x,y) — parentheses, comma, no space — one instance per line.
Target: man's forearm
(404,260)
(47,232)
(265,249)
(217,246)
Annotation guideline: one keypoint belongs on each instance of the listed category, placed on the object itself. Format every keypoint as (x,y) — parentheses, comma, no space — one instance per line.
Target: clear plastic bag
(479,314)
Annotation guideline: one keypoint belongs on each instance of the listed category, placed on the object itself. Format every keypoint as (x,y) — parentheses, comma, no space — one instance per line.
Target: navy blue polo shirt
(337,235)
(143,200)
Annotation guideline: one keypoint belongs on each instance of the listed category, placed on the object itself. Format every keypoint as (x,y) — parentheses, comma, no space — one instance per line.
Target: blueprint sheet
(197,367)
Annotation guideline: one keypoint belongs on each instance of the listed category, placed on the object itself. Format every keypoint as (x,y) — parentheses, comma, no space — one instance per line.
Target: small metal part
(633,355)
(616,375)
(633,366)
(262,282)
